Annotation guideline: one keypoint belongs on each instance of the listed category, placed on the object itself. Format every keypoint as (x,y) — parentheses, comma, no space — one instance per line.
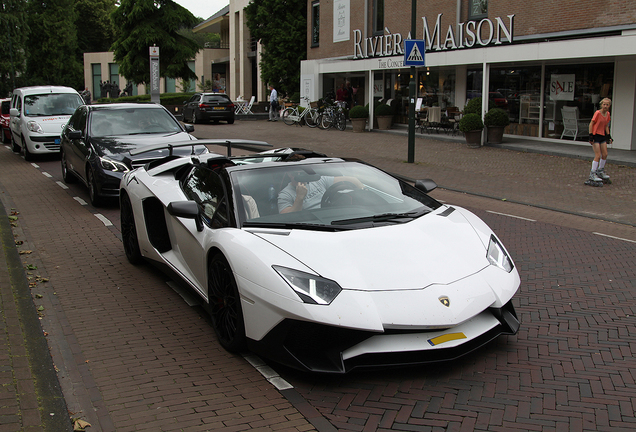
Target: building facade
(534,58)
(232,67)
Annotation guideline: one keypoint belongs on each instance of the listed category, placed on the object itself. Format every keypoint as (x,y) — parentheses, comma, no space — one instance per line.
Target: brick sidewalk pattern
(131,355)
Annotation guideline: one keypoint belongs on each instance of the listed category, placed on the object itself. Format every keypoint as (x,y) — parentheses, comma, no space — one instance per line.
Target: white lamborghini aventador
(321,263)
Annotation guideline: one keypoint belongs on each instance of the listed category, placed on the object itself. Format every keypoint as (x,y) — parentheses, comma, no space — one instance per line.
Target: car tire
(27,154)
(5,140)
(93,193)
(230,121)
(66,175)
(14,145)
(194,117)
(129,231)
(224,304)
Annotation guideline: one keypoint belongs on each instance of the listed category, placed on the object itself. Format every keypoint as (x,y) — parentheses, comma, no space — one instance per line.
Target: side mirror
(74,135)
(188,210)
(425,185)
(188,127)
(14,112)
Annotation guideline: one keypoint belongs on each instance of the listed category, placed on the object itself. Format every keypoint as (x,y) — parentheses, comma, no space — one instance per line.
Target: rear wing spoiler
(226,142)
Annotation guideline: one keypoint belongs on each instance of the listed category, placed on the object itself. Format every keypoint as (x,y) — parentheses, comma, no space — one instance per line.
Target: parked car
(4,120)
(37,117)
(98,139)
(373,273)
(205,107)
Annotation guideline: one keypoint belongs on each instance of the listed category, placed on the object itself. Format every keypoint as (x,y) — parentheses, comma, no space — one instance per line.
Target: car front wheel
(93,194)
(225,305)
(129,231)
(66,175)
(27,154)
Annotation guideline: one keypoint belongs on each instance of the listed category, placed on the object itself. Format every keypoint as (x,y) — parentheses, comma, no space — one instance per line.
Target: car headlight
(111,165)
(497,255)
(34,126)
(310,288)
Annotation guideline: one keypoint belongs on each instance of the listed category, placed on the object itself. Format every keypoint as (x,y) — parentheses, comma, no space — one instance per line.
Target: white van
(38,115)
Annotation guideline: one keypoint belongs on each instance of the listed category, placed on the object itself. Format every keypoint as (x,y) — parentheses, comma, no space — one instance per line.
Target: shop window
(580,86)
(96,69)
(170,85)
(378,17)
(315,23)
(477,9)
(113,70)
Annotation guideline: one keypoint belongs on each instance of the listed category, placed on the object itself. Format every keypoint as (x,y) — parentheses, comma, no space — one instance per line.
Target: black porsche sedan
(97,140)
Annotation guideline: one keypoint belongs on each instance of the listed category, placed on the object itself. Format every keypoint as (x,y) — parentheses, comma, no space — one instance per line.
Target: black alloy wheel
(225,305)
(129,231)
(66,175)
(96,200)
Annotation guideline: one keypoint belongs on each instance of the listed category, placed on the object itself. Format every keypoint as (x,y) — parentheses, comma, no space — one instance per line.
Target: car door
(15,121)
(77,150)
(189,252)
(192,106)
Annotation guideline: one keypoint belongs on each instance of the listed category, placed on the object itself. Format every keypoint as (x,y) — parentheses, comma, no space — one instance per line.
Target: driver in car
(306,195)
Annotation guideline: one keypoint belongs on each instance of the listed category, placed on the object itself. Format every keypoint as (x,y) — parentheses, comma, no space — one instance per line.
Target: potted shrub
(359,115)
(496,121)
(384,115)
(474,106)
(472,126)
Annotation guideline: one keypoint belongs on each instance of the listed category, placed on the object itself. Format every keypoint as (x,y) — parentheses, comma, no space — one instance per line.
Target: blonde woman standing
(599,137)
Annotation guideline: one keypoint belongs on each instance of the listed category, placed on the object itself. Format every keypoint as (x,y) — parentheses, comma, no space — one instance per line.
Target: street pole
(412,95)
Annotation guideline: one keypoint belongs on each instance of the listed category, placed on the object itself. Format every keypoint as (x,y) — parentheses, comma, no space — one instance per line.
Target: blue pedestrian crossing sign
(414,52)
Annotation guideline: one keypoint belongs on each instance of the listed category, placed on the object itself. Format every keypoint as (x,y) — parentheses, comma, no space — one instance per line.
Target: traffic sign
(414,52)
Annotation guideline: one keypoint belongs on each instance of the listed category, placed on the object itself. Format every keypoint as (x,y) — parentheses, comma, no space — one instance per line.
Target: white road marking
(79,200)
(35,165)
(270,374)
(62,185)
(617,238)
(45,174)
(509,215)
(103,218)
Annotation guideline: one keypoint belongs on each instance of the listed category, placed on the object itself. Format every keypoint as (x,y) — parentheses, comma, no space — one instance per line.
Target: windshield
(51,104)
(132,121)
(343,195)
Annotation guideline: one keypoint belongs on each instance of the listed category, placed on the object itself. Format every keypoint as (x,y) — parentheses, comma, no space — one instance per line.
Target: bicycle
(292,115)
(333,116)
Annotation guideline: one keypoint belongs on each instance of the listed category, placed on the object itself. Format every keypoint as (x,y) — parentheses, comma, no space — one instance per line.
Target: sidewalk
(530,145)
(518,171)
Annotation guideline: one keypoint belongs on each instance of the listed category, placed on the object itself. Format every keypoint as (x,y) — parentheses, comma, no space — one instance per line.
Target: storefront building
(534,58)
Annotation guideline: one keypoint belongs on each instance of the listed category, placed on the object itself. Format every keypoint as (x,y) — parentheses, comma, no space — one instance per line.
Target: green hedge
(164,99)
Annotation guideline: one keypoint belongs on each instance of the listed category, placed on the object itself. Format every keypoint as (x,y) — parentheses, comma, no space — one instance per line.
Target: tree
(94,25)
(14,29)
(51,47)
(281,27)
(145,23)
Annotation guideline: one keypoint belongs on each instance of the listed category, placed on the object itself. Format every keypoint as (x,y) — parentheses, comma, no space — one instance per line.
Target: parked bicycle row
(325,117)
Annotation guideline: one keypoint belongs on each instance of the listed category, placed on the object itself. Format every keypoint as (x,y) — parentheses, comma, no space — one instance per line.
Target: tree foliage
(145,23)
(281,27)
(14,28)
(95,30)
(51,46)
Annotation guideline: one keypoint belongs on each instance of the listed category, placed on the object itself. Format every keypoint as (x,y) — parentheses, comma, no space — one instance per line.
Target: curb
(51,403)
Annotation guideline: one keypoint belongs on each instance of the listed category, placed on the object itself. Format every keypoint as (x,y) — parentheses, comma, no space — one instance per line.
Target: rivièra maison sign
(463,35)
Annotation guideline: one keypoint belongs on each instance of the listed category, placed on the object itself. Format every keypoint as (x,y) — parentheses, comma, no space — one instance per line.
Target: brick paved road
(133,356)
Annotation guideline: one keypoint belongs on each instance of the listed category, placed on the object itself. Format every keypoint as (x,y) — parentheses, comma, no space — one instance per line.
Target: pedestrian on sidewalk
(599,137)
(273,104)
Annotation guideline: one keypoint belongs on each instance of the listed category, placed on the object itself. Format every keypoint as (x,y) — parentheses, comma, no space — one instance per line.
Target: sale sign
(562,87)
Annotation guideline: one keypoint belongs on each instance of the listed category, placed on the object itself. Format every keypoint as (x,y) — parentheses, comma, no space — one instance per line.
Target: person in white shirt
(273,104)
